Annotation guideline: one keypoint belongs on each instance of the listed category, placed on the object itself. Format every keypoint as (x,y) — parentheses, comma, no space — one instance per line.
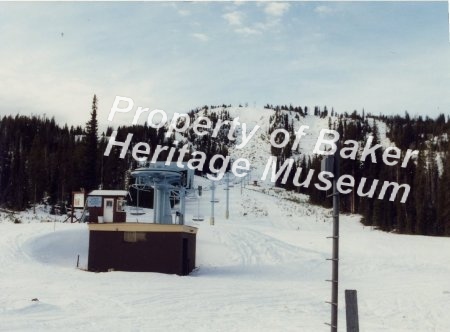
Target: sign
(78,200)
(94,201)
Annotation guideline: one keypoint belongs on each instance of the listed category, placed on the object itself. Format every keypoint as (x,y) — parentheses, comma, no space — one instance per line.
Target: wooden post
(78,261)
(351,310)
(71,212)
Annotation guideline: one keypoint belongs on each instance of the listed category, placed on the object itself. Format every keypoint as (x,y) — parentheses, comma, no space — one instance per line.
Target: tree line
(427,209)
(42,161)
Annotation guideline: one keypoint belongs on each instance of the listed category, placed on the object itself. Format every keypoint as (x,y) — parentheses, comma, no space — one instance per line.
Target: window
(109,203)
(134,236)
(120,205)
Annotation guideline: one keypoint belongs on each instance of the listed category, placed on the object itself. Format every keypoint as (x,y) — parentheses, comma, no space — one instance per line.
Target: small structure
(107,206)
(158,245)
(142,247)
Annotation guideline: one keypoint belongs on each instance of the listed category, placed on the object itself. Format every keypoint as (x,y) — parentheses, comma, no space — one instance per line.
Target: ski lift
(137,210)
(198,217)
(162,180)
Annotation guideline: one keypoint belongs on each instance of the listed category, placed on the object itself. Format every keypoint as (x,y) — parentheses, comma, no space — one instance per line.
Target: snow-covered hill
(258,149)
(264,269)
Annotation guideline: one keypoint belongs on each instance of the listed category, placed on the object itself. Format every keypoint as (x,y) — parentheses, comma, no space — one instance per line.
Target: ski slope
(264,269)
(258,149)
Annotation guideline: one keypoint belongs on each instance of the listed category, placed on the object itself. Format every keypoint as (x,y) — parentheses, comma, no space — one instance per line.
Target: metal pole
(213,189)
(137,202)
(155,203)
(198,207)
(182,205)
(227,211)
(241,185)
(335,255)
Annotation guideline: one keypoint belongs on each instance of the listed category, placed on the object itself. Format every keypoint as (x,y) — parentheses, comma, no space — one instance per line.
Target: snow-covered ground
(264,269)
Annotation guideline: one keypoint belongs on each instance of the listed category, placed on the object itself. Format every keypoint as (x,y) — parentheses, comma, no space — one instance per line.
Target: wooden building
(142,247)
(107,206)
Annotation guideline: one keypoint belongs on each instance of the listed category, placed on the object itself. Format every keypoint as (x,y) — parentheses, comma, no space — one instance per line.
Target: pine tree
(37,169)
(91,171)
(420,199)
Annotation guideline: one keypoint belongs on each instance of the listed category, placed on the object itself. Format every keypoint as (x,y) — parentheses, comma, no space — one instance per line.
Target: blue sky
(382,56)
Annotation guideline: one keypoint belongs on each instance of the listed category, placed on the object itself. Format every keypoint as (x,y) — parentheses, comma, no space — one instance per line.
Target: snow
(264,269)
(382,132)
(257,151)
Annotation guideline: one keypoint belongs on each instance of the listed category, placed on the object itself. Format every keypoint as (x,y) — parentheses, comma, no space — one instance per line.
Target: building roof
(142,227)
(121,193)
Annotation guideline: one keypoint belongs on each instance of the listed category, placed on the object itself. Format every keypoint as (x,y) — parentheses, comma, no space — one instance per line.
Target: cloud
(184,12)
(247,31)
(234,18)
(273,14)
(323,10)
(180,11)
(200,36)
(276,8)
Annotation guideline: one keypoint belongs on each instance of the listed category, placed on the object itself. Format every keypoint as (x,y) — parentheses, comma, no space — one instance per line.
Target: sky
(385,57)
